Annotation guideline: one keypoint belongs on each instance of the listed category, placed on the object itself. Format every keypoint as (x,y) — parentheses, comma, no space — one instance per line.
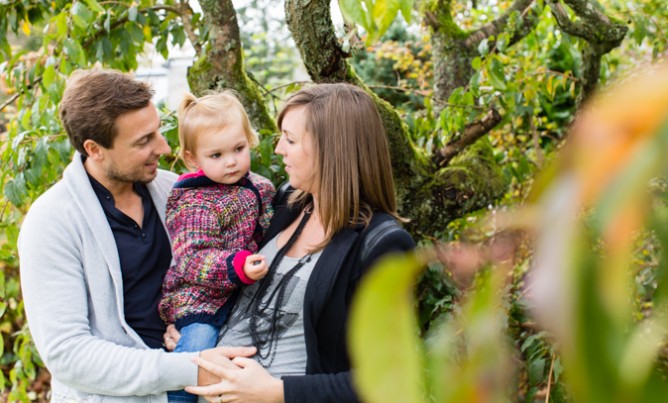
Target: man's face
(137,147)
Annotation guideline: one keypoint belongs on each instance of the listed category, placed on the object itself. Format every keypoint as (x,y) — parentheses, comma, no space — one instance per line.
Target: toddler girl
(216,216)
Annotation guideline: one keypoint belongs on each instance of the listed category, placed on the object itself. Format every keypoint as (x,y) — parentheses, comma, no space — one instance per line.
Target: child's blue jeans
(194,337)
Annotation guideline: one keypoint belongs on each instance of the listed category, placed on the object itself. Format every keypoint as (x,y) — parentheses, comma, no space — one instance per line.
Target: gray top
(285,354)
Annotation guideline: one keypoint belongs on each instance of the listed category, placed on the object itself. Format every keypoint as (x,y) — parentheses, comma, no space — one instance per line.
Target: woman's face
(296,147)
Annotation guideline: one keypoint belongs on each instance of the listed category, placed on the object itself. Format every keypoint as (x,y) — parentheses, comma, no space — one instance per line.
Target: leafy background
(476,331)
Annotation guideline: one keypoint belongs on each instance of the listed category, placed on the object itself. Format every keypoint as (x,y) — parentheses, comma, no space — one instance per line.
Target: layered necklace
(266,343)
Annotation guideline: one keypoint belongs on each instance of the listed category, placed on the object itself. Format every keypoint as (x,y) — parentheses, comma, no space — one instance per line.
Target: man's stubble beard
(114,174)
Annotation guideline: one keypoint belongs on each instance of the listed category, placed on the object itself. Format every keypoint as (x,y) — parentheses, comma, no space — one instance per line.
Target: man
(94,251)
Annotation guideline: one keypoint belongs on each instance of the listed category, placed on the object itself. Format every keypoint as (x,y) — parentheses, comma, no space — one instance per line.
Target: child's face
(223,154)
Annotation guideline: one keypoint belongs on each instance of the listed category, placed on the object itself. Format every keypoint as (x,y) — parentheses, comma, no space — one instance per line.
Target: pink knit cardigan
(213,227)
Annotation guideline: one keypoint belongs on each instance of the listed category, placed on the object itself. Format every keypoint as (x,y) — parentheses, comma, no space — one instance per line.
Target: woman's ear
(190,161)
(93,150)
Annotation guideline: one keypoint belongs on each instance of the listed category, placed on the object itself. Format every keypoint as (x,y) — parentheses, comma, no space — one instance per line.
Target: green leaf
(154,20)
(15,190)
(406,6)
(123,39)
(93,4)
(468,99)
(536,371)
(384,12)
(25,119)
(132,13)
(13,20)
(640,31)
(161,46)
(383,338)
(476,63)
(178,36)
(502,41)
(557,369)
(496,76)
(483,47)
(99,50)
(61,24)
(48,75)
(456,96)
(3,308)
(136,33)
(65,66)
(33,176)
(475,84)
(352,11)
(107,22)
(74,51)
(81,15)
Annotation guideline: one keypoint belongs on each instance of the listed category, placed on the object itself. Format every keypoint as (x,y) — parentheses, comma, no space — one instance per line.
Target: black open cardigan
(327,303)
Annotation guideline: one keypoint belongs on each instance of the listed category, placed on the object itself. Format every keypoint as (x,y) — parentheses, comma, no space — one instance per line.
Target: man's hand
(222,357)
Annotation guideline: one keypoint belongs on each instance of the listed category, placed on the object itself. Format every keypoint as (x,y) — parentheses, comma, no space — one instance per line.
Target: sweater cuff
(238,263)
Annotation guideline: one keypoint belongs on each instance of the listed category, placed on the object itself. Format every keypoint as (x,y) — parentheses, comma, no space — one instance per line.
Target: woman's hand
(220,357)
(249,382)
(171,337)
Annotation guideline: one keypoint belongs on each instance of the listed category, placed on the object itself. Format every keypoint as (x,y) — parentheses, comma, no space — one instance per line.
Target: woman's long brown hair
(353,171)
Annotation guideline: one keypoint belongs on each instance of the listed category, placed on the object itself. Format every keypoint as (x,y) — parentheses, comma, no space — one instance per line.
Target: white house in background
(168,77)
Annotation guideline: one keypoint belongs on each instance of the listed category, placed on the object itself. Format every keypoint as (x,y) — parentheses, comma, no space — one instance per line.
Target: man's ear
(94,150)
(189,159)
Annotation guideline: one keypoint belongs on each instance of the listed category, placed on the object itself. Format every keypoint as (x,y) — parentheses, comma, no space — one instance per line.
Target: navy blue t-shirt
(145,254)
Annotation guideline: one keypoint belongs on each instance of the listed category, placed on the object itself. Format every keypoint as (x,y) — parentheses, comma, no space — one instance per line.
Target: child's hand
(255,267)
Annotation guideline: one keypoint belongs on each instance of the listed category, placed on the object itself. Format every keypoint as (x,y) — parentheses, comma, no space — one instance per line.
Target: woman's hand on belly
(247,382)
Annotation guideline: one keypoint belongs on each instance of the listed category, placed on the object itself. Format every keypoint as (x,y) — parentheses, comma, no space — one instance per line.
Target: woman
(340,218)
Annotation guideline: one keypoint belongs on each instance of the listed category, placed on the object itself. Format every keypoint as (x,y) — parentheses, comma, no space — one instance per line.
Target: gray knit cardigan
(73,294)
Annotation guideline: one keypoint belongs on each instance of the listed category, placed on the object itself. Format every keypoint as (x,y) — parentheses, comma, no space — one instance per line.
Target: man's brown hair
(93,101)
(353,170)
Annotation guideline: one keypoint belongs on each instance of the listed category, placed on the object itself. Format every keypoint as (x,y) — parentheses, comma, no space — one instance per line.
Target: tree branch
(600,32)
(595,26)
(186,13)
(19,93)
(10,100)
(310,24)
(565,22)
(529,18)
(430,20)
(98,34)
(122,21)
(471,133)
(588,9)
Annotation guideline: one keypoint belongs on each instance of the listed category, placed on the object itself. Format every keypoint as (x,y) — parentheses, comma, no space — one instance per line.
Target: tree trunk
(429,195)
(220,66)
(452,65)
(600,33)
(451,55)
